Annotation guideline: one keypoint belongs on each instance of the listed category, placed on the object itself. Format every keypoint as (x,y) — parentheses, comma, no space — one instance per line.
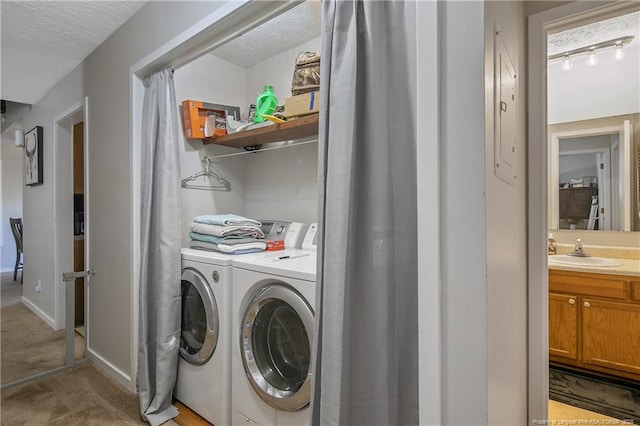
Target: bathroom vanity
(594,318)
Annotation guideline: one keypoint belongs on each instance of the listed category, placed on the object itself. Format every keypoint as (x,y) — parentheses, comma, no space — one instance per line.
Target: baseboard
(111,370)
(44,317)
(8,269)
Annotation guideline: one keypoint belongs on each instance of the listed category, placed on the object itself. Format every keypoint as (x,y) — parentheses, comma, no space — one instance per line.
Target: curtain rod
(214,157)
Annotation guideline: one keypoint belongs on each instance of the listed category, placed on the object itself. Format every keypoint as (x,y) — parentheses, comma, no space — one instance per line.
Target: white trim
(7,269)
(87,222)
(538,340)
(225,23)
(59,287)
(428,203)
(111,370)
(625,164)
(44,317)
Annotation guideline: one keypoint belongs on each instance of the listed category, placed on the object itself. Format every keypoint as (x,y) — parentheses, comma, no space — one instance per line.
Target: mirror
(593,116)
(592,171)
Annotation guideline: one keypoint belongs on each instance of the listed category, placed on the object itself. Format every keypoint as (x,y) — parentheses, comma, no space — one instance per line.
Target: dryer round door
(275,344)
(200,322)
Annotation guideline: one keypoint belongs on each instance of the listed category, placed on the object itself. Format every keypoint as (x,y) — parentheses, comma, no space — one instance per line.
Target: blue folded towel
(230,240)
(225,219)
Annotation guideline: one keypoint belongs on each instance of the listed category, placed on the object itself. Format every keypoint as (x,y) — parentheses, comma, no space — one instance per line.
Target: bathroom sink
(583,261)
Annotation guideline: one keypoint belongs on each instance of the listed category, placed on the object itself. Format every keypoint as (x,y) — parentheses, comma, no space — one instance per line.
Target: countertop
(628,267)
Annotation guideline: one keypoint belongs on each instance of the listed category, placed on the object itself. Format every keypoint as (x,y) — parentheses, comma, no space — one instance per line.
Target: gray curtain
(160,250)
(366,355)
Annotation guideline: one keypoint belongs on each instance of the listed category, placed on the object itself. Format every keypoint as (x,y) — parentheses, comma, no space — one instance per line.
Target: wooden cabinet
(78,265)
(563,325)
(594,322)
(78,158)
(611,334)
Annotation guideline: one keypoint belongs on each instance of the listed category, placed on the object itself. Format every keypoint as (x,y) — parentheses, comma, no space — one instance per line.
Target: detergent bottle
(266,103)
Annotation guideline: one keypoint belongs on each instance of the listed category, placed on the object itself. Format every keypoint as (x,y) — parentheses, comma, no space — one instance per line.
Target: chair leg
(15,270)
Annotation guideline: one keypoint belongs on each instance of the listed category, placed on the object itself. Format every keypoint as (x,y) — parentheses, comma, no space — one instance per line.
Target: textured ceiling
(596,32)
(42,41)
(295,26)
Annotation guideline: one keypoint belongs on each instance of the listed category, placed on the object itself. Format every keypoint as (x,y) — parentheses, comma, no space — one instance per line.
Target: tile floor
(560,414)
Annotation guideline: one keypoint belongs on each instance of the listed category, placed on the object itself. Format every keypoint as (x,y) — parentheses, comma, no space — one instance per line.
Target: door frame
(63,126)
(538,306)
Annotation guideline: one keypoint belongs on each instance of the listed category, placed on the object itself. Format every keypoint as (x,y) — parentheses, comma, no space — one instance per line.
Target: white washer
(204,366)
(273,305)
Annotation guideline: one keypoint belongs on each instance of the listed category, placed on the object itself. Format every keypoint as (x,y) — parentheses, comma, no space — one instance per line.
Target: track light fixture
(591,51)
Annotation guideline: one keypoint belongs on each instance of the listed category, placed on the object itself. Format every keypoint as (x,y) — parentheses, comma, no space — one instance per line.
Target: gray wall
(506,233)
(107,86)
(38,200)
(104,78)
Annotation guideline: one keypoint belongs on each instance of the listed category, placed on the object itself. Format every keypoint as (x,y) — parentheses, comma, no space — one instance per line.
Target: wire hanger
(208,172)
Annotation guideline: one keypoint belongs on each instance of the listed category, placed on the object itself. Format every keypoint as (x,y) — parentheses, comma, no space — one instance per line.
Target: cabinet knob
(572,301)
(587,304)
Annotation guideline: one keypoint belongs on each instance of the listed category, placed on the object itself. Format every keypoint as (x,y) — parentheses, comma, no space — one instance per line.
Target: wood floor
(188,417)
(557,412)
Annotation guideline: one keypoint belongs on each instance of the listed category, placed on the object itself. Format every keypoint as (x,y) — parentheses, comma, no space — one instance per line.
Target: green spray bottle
(266,103)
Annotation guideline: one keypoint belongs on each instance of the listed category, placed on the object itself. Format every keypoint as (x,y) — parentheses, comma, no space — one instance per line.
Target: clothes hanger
(207,172)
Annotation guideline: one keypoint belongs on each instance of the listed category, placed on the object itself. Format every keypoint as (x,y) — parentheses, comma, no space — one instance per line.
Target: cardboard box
(195,113)
(273,245)
(307,103)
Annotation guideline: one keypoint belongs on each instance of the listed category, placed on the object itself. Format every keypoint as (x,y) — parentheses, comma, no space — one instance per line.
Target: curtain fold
(366,350)
(160,263)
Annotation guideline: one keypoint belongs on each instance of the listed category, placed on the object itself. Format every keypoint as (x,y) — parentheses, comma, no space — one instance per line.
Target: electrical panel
(505,111)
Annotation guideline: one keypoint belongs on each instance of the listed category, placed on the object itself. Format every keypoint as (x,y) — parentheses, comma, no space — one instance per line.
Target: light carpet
(29,345)
(81,396)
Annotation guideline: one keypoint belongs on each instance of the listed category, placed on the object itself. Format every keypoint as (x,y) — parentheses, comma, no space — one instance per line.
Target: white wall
(211,79)
(506,260)
(607,89)
(463,218)
(12,172)
(281,184)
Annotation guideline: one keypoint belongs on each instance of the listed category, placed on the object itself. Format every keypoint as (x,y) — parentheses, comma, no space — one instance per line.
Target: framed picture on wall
(33,152)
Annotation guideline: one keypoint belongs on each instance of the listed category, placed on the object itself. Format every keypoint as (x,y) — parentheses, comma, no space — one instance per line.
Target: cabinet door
(611,334)
(563,325)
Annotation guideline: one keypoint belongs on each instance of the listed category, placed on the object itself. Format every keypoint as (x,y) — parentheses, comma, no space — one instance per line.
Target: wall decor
(33,152)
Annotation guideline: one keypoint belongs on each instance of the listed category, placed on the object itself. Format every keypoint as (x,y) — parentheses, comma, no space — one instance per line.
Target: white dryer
(204,366)
(273,329)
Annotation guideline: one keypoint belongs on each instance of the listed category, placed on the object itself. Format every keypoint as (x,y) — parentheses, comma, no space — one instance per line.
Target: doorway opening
(71,216)
(563,324)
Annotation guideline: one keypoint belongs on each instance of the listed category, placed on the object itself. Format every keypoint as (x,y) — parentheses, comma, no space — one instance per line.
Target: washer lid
(209,257)
(288,263)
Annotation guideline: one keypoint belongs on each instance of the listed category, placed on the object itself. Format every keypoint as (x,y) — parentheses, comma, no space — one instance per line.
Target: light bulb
(618,53)
(566,63)
(592,58)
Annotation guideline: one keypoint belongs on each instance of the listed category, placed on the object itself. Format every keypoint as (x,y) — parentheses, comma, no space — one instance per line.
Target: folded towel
(225,219)
(223,231)
(230,240)
(239,249)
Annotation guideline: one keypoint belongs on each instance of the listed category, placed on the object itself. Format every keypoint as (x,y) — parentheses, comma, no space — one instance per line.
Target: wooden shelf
(295,129)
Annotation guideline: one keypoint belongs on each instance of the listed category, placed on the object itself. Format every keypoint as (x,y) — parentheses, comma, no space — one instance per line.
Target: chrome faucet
(578,251)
